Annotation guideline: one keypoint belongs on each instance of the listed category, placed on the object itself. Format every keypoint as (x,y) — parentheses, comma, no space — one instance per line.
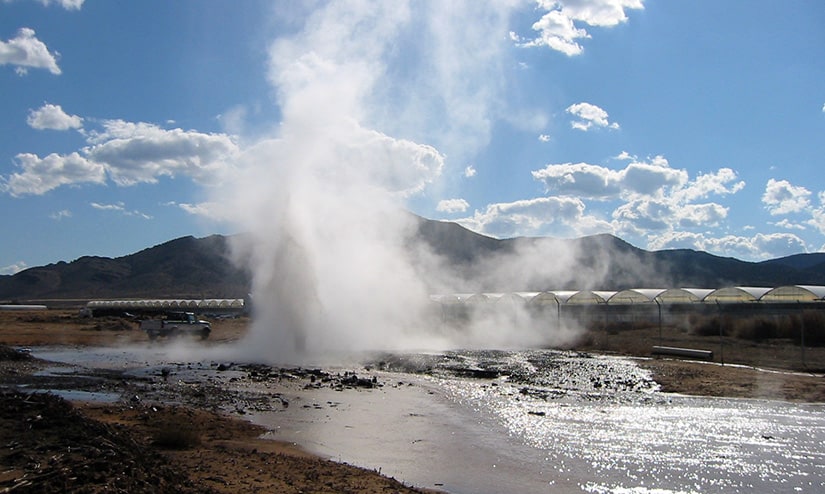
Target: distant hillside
(815,261)
(198,268)
(185,267)
(626,266)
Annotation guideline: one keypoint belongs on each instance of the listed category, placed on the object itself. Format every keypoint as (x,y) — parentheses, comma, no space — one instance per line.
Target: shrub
(173,436)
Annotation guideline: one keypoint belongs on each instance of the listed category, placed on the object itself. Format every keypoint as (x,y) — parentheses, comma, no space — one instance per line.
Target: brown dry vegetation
(755,357)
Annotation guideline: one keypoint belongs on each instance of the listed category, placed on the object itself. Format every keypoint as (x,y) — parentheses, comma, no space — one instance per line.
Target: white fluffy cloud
(128,153)
(566,215)
(25,51)
(589,116)
(557,28)
(452,206)
(141,152)
(40,175)
(13,268)
(66,4)
(53,117)
(650,195)
(598,182)
(781,197)
(759,246)
(595,12)
(558,32)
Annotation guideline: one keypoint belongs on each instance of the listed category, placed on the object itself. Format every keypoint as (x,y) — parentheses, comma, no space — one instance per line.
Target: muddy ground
(50,445)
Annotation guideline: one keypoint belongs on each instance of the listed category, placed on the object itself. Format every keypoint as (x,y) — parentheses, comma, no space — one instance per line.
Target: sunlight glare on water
(650,442)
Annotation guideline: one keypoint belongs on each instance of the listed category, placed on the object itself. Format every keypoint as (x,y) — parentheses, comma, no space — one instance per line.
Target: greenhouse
(159,305)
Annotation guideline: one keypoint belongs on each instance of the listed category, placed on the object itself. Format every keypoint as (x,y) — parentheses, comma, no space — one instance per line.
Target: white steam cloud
(333,255)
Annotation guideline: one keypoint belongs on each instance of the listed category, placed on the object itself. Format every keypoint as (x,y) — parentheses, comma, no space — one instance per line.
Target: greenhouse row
(782,294)
(167,304)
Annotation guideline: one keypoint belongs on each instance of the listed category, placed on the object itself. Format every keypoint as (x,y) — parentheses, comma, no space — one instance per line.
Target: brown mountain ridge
(191,267)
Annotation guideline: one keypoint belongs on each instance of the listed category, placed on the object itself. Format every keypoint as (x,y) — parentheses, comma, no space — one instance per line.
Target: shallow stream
(491,422)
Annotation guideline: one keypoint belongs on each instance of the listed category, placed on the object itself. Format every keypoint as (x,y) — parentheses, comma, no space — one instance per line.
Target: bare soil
(50,445)
(772,369)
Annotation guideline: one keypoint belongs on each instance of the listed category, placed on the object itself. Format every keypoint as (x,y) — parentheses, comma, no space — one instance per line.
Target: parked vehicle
(176,324)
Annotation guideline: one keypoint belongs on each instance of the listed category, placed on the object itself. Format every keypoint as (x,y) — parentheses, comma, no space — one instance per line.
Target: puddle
(77,395)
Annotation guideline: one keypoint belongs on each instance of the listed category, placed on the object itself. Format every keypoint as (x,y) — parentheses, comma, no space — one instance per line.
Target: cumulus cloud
(650,194)
(136,153)
(544,137)
(40,175)
(557,28)
(469,171)
(595,12)
(580,179)
(781,197)
(599,182)
(758,247)
(66,4)
(722,182)
(566,215)
(452,206)
(589,116)
(128,153)
(789,225)
(25,51)
(817,219)
(13,268)
(207,209)
(558,32)
(53,117)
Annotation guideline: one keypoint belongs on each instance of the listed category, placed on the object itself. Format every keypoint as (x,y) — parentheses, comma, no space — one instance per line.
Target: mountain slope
(182,268)
(189,267)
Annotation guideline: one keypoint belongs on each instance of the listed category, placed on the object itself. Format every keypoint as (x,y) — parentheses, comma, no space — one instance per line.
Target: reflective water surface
(530,421)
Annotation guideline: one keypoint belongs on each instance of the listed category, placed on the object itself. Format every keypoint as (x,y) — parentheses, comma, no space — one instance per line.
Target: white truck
(176,324)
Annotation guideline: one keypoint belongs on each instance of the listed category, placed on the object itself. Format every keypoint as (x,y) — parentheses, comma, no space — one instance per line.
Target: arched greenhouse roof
(546,298)
(684,295)
(635,296)
(794,293)
(477,298)
(589,297)
(166,304)
(515,298)
(736,294)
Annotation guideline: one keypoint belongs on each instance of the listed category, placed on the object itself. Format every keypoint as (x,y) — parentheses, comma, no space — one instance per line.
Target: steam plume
(333,255)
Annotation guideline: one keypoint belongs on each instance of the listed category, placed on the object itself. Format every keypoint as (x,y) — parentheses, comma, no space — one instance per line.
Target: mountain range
(191,267)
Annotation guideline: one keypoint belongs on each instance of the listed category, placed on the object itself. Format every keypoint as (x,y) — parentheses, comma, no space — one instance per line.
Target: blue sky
(669,124)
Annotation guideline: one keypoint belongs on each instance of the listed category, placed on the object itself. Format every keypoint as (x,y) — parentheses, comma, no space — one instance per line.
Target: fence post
(656,299)
(721,335)
(802,335)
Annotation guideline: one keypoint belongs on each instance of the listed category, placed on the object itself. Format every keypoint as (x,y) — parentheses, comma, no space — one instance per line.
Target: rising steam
(335,262)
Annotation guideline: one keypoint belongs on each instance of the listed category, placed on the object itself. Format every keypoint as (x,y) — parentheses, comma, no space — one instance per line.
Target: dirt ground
(740,369)
(49,445)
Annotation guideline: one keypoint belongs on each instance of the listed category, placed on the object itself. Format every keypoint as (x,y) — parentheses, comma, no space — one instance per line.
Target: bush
(706,325)
(756,329)
(173,436)
(814,328)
